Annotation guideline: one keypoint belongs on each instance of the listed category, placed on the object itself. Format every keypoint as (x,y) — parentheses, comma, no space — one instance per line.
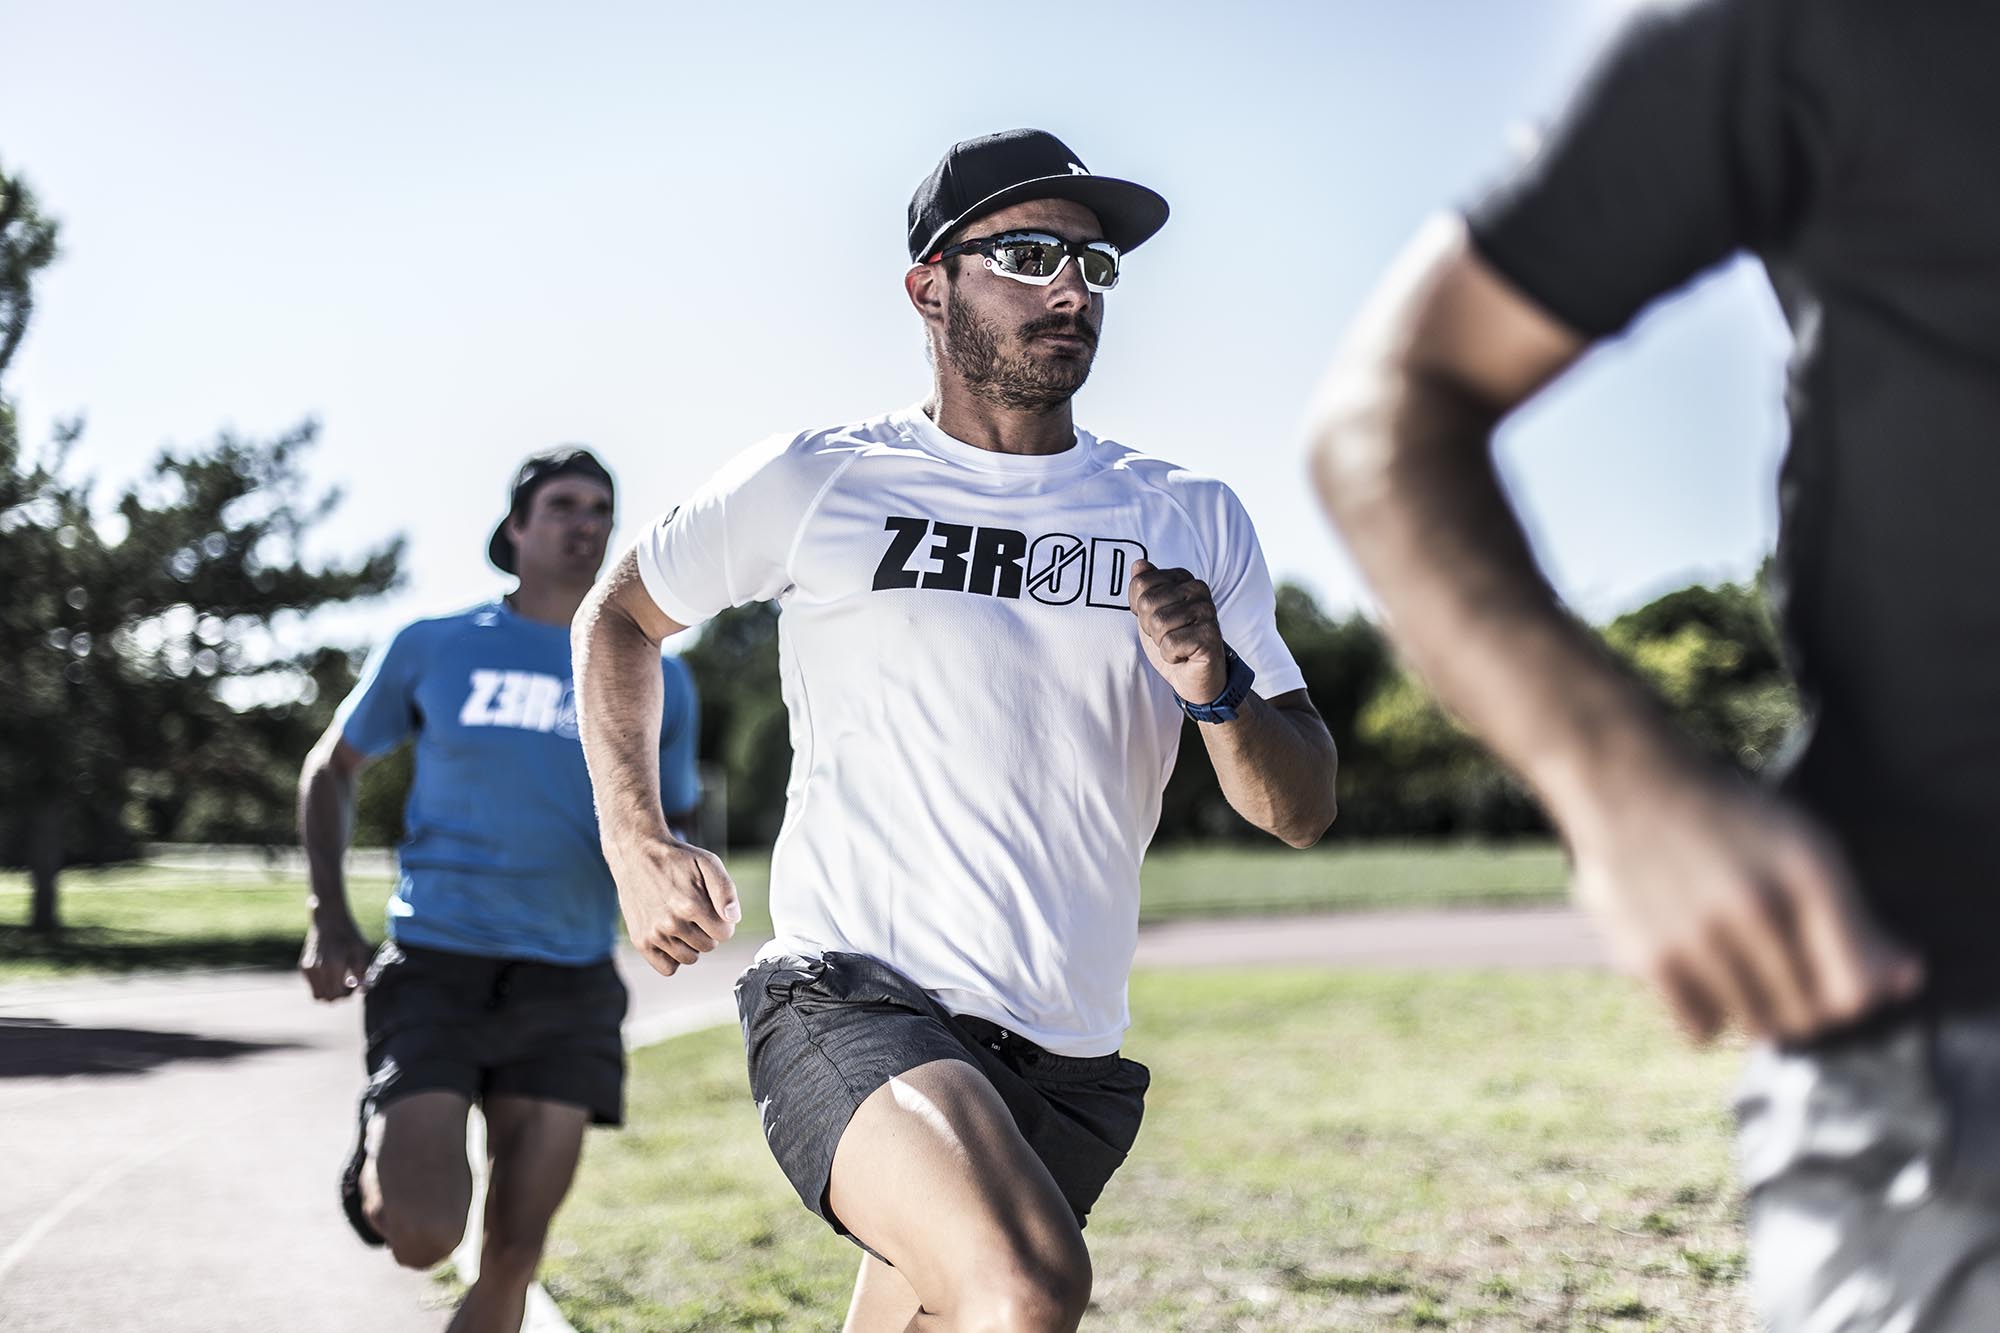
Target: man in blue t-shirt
(496,984)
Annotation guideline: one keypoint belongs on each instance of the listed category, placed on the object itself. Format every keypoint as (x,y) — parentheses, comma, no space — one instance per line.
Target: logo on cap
(1078,169)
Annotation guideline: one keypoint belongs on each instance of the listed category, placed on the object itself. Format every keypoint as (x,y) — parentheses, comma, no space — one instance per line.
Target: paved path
(173,1143)
(173,1146)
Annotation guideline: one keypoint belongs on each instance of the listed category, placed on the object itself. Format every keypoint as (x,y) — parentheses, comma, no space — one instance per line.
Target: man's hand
(678,901)
(1179,631)
(1736,909)
(335,958)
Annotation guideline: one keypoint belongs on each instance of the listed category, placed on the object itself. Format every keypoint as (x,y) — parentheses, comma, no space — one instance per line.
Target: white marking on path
(694,1018)
(82,1194)
(24,1244)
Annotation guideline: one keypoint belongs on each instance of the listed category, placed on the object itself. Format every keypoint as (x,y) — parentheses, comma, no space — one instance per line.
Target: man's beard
(1021,382)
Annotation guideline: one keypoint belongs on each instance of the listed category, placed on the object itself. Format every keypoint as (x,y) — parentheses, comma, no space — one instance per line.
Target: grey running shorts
(821,1034)
(485,1027)
(1873,1167)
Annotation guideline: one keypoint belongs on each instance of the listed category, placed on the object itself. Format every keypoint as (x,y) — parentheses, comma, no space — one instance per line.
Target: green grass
(1212,881)
(138,917)
(1322,1150)
(133,918)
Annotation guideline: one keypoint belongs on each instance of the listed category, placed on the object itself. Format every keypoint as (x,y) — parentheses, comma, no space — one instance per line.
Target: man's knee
(1042,1291)
(419,1175)
(420,1238)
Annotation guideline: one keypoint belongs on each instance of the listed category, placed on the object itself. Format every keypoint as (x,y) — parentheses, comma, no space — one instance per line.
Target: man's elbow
(1348,436)
(1309,829)
(319,763)
(1311,813)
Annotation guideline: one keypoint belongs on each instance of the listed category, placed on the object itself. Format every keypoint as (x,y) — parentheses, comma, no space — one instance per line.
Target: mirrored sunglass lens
(1100,268)
(1034,259)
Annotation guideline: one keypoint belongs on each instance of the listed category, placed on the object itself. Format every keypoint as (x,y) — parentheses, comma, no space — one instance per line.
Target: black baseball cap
(984,175)
(565,461)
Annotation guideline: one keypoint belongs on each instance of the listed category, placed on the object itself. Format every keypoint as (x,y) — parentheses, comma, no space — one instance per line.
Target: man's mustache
(1073,325)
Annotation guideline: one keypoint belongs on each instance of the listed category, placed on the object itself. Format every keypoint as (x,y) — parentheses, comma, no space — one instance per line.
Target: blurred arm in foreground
(1731,904)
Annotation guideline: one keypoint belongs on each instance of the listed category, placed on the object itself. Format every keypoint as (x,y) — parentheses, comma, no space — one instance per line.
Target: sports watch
(1235,690)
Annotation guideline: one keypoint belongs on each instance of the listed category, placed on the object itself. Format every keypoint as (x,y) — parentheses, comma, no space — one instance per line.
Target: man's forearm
(326,825)
(1277,767)
(619,700)
(1405,465)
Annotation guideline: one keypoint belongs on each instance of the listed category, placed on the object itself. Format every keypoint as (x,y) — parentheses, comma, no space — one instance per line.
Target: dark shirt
(1854,147)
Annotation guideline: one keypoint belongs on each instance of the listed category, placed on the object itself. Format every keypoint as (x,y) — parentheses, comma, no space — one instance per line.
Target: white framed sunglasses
(1038,257)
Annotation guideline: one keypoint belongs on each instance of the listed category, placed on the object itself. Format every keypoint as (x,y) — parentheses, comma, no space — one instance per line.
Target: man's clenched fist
(1178,628)
(678,901)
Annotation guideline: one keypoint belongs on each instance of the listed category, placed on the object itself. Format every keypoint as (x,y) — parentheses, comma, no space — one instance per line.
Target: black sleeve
(1673,155)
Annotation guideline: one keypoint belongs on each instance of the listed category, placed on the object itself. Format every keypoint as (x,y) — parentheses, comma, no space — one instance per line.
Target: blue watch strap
(1235,689)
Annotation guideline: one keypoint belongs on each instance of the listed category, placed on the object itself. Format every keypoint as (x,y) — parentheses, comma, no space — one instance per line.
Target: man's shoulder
(837,443)
(810,457)
(1204,502)
(428,634)
(1184,484)
(491,613)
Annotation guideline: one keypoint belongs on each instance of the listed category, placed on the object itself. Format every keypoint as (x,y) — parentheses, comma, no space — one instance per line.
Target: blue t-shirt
(501,857)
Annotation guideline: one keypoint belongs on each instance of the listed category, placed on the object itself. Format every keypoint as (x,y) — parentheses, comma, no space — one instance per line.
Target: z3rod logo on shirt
(1055,569)
(523,700)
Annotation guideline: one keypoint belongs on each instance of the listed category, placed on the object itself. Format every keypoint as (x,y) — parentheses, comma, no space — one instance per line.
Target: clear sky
(457,233)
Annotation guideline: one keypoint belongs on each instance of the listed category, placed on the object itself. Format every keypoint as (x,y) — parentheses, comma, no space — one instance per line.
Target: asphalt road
(173,1151)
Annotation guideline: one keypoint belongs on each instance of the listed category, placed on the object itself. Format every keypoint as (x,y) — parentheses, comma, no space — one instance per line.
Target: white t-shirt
(979,745)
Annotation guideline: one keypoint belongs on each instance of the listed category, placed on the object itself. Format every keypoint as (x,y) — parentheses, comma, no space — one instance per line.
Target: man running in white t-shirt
(993,622)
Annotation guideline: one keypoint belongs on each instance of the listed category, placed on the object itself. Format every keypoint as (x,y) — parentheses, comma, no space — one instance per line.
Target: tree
(1344,663)
(145,685)
(1712,654)
(1420,774)
(745,733)
(27,245)
(1708,653)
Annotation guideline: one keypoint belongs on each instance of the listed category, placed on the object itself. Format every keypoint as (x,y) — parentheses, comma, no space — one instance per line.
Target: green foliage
(1711,655)
(27,245)
(1421,775)
(1344,663)
(150,699)
(744,732)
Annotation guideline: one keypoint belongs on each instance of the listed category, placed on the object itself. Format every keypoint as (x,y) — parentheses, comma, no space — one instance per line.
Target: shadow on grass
(96,949)
(40,1047)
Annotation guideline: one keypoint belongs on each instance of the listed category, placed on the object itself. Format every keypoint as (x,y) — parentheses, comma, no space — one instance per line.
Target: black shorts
(822,1034)
(484,1027)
